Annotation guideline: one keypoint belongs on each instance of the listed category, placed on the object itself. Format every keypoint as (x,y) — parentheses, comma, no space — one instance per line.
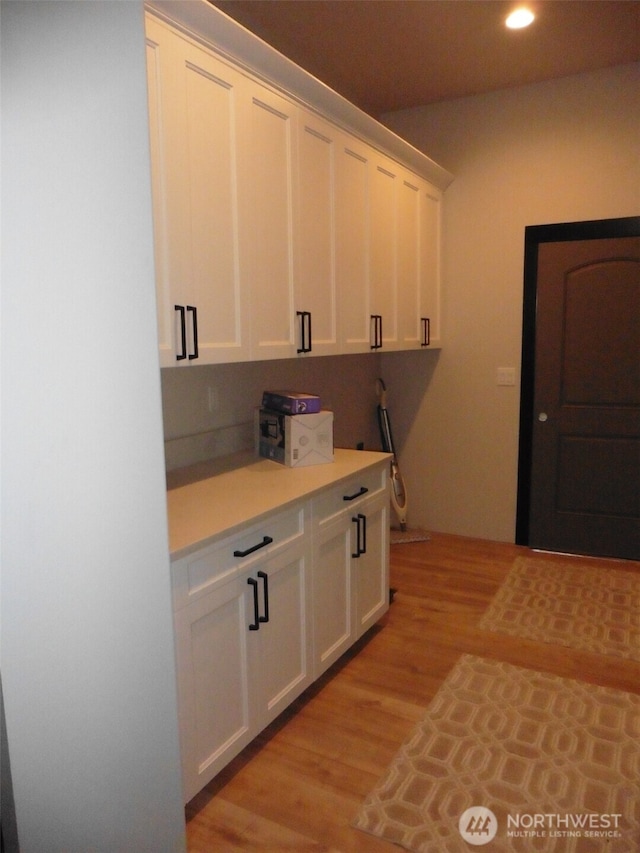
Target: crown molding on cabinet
(207,24)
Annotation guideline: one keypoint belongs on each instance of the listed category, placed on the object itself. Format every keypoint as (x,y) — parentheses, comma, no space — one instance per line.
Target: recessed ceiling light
(519,18)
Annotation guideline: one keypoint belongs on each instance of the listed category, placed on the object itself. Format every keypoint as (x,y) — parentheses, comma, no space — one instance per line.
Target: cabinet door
(216,717)
(267,152)
(371,568)
(418,263)
(281,662)
(196,116)
(409,262)
(315,287)
(385,183)
(333,629)
(431,274)
(353,188)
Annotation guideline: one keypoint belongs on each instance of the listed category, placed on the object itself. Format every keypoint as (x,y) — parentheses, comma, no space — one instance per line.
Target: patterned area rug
(539,762)
(569,604)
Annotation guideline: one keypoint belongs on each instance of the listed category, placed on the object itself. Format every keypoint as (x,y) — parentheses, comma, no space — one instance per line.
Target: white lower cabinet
(351,564)
(243,654)
(212,649)
(261,613)
(371,565)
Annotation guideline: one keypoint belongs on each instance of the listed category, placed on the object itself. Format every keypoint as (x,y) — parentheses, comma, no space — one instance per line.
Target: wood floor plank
(300,784)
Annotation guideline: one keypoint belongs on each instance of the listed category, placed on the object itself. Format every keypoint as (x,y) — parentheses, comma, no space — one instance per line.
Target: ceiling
(386,55)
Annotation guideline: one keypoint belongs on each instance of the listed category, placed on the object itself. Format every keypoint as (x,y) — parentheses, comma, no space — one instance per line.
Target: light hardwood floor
(299,785)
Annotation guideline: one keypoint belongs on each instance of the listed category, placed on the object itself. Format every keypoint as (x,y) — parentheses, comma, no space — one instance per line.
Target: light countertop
(222,495)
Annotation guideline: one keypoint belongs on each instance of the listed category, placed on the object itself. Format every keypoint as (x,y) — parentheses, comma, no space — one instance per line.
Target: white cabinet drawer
(349,494)
(198,573)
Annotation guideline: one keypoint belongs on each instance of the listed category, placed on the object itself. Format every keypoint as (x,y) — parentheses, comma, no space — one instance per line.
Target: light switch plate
(506,376)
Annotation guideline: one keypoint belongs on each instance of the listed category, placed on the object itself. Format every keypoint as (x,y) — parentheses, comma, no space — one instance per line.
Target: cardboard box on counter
(291,402)
(295,440)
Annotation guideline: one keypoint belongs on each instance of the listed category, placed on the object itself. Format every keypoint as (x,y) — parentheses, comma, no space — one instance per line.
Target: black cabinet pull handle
(255,625)
(305,331)
(265,592)
(267,540)
(360,521)
(357,551)
(426,331)
(194,326)
(376,321)
(183,333)
(363,491)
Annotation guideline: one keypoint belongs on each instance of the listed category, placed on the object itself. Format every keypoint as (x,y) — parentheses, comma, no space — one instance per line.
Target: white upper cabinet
(194,105)
(430,270)
(280,231)
(418,263)
(267,152)
(352,244)
(385,183)
(315,284)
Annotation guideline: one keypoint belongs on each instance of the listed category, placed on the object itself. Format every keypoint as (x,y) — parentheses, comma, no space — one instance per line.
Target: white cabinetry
(212,649)
(387,253)
(315,287)
(384,253)
(418,270)
(262,610)
(268,172)
(195,108)
(243,644)
(279,232)
(352,245)
(350,577)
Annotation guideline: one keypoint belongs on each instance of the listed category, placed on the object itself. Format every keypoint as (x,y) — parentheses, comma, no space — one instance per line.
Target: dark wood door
(585,411)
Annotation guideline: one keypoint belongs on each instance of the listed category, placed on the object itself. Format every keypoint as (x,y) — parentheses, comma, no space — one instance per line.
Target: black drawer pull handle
(267,540)
(363,491)
(265,592)
(194,325)
(255,625)
(183,333)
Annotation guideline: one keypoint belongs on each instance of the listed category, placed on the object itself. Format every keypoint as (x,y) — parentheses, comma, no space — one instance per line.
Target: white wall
(560,151)
(87,642)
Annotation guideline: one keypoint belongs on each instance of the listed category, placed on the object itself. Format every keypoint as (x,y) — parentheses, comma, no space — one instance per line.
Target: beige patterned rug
(569,604)
(539,762)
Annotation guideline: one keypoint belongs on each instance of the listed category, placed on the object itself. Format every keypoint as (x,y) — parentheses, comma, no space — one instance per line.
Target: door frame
(534,235)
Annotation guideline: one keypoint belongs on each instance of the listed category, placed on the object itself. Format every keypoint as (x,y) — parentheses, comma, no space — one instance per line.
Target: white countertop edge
(220,497)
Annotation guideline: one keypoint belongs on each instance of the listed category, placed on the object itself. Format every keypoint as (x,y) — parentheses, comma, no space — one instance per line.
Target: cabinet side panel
(157,143)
